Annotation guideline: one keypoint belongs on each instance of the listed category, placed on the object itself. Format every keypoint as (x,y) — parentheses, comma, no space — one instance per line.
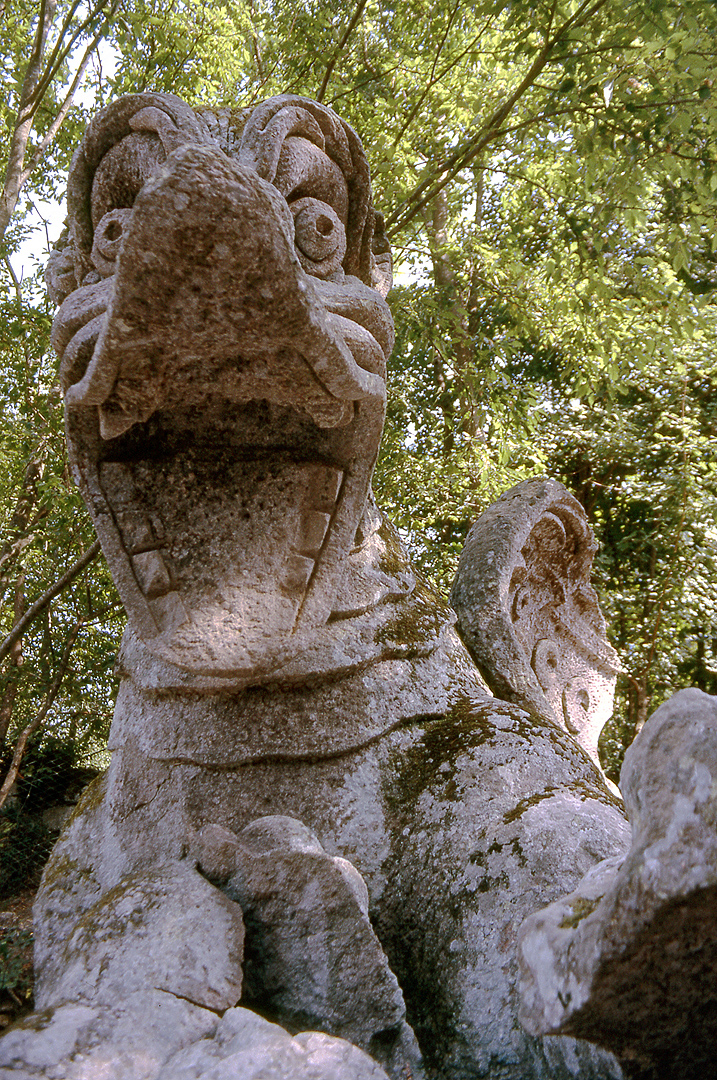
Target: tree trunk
(7,701)
(448,284)
(25,116)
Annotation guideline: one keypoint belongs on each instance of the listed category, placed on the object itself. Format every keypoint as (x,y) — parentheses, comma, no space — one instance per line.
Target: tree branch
(433,78)
(337,52)
(61,51)
(32,612)
(60,38)
(490,131)
(7,703)
(34,724)
(23,518)
(23,121)
(63,110)
(36,83)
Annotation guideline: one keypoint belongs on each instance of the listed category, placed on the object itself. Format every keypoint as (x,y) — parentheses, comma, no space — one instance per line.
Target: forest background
(548,174)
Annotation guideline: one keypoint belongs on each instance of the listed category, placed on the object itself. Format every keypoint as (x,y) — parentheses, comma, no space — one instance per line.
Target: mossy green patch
(582,907)
(36,1021)
(103,918)
(60,868)
(394,559)
(91,799)
(431,761)
(532,800)
(517,849)
(417,622)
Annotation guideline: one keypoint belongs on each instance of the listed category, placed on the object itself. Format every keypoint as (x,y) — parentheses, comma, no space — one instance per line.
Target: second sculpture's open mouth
(224,407)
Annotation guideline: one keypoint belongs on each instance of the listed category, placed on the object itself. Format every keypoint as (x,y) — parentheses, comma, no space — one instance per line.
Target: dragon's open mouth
(224,405)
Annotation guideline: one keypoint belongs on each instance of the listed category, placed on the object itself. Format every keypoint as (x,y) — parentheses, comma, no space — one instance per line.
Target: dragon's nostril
(113,230)
(324,225)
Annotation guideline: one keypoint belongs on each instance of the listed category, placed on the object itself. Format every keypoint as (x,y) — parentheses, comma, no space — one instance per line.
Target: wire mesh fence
(48,785)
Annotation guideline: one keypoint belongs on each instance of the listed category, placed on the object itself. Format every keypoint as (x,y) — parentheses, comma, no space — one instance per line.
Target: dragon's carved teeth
(323,487)
(152,574)
(140,532)
(155,544)
(312,531)
(169,613)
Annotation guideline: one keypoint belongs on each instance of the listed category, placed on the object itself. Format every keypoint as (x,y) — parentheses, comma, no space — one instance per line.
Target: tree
(62,42)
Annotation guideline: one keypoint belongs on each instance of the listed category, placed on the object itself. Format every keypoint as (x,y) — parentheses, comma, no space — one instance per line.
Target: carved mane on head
(526,606)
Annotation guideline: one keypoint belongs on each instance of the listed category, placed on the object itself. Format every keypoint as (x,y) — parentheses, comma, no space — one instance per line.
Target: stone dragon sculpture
(301,738)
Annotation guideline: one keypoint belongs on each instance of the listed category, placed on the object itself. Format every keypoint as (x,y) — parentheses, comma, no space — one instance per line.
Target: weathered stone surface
(628,958)
(247,1047)
(419,807)
(528,613)
(493,810)
(312,959)
(165,928)
(472,763)
(129,1039)
(152,1035)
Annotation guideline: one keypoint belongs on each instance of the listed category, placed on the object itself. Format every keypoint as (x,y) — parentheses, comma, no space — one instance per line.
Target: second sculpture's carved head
(223,338)
(529,614)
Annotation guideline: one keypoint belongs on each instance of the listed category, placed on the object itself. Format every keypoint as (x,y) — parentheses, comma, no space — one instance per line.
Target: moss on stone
(417,623)
(464,728)
(102,918)
(60,867)
(517,848)
(582,907)
(91,799)
(36,1021)
(531,800)
(394,559)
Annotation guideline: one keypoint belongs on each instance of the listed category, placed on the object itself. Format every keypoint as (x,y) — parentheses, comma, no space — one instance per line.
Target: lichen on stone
(582,907)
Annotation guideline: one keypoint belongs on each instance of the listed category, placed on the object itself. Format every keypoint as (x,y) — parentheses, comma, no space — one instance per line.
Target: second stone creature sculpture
(293,695)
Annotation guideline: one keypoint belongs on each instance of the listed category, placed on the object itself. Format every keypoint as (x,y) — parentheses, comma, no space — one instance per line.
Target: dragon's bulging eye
(107,240)
(320,236)
(122,172)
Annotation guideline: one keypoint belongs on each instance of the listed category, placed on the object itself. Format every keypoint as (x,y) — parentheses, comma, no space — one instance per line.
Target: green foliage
(44,527)
(25,844)
(54,771)
(16,963)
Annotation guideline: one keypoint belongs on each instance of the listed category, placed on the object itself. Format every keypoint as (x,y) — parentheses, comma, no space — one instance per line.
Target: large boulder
(166,928)
(493,809)
(312,959)
(152,1035)
(628,958)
